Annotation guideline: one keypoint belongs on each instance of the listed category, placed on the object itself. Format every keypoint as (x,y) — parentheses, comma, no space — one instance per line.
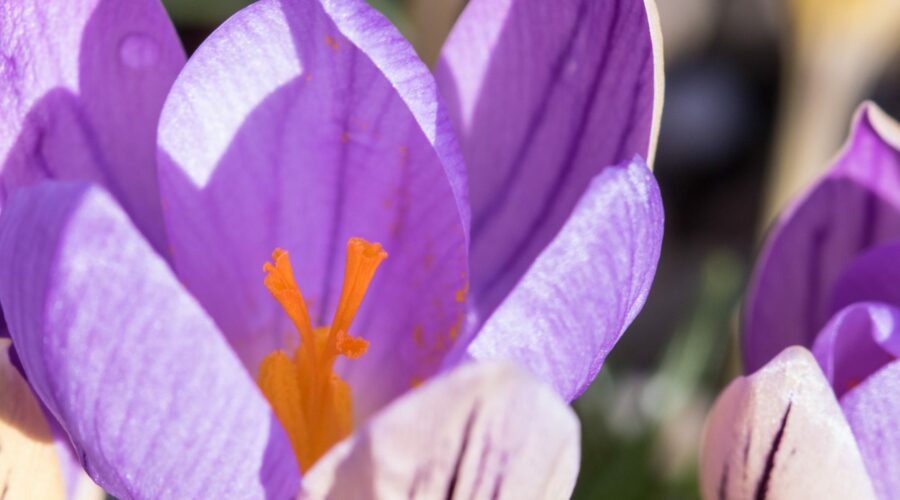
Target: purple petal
(484,430)
(857,342)
(544,95)
(779,433)
(872,410)
(82,83)
(300,124)
(873,276)
(154,401)
(855,207)
(586,287)
(29,467)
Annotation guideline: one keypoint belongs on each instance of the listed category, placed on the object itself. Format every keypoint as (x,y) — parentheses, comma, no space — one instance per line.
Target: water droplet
(138,51)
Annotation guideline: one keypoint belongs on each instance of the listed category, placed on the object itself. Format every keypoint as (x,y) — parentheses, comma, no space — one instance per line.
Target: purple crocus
(821,423)
(142,198)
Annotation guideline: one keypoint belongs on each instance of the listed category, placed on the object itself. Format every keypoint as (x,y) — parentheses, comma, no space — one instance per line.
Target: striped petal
(483,431)
(581,293)
(779,433)
(544,95)
(856,206)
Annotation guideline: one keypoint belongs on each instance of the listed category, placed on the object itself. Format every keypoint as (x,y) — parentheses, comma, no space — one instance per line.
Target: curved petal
(857,342)
(582,292)
(154,401)
(543,96)
(485,430)
(29,467)
(82,83)
(300,124)
(856,206)
(779,433)
(873,276)
(872,410)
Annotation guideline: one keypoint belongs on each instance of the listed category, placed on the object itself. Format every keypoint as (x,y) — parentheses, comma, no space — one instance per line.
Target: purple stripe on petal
(582,292)
(872,410)
(82,84)
(138,376)
(539,113)
(299,124)
(856,206)
(857,342)
(469,433)
(779,433)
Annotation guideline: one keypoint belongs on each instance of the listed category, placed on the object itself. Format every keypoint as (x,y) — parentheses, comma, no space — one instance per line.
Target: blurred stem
(812,119)
(698,348)
(431,22)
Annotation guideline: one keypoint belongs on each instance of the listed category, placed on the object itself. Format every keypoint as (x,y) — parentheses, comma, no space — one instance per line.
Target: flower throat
(312,402)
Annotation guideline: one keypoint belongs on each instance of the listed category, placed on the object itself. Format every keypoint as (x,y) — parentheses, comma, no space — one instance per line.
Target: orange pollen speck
(312,402)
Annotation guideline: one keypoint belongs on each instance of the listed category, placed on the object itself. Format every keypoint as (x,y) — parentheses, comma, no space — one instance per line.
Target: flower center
(312,402)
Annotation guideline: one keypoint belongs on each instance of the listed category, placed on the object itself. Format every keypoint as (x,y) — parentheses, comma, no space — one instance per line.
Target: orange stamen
(312,402)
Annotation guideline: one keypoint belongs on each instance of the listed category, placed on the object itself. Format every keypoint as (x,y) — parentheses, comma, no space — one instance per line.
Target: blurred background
(759,96)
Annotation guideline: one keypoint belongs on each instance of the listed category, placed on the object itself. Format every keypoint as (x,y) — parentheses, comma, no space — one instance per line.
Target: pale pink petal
(484,430)
(780,433)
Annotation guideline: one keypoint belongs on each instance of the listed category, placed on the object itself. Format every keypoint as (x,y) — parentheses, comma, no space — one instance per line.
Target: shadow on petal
(151,396)
(85,84)
(315,144)
(539,113)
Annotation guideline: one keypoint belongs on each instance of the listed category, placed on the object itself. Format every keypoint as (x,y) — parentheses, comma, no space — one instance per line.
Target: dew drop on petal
(138,51)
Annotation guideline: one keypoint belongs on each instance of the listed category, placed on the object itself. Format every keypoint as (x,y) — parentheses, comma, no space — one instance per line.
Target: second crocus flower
(818,419)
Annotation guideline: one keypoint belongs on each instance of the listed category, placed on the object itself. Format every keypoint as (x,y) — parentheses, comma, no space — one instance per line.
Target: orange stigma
(312,402)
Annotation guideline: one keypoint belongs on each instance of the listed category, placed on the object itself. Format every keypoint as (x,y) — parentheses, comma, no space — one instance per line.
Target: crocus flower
(818,419)
(517,228)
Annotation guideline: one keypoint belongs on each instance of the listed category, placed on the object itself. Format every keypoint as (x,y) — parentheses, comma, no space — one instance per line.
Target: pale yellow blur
(835,50)
(29,466)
